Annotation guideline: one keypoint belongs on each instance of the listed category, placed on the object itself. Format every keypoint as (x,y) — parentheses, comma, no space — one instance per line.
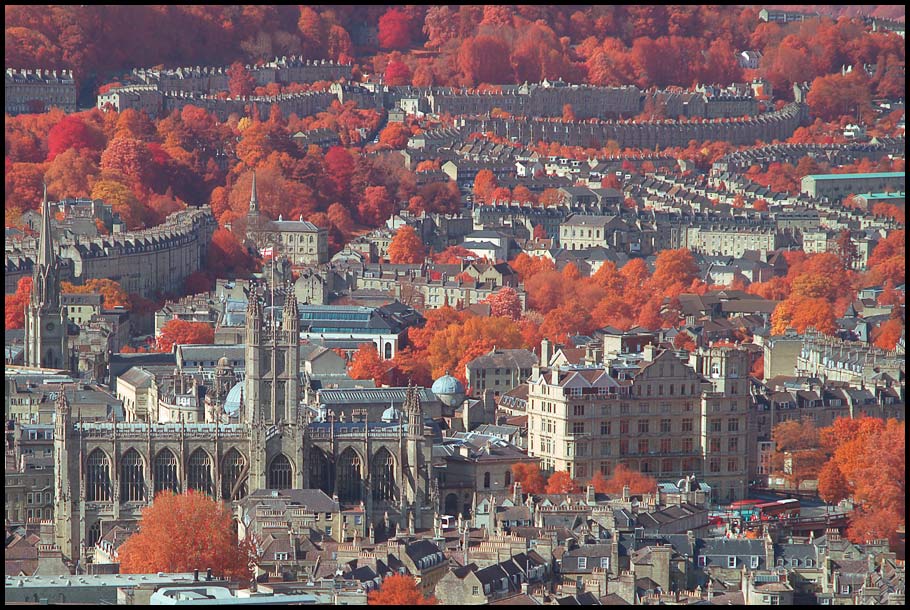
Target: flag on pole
(268,252)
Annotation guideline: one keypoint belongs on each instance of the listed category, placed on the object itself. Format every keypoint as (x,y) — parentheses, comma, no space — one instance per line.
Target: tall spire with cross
(254,201)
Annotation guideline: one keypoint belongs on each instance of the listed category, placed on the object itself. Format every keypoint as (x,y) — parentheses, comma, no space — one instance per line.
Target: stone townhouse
(674,418)
(37,90)
(580,232)
(499,370)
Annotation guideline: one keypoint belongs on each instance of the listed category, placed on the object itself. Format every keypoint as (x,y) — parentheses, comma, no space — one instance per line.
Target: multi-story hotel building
(670,418)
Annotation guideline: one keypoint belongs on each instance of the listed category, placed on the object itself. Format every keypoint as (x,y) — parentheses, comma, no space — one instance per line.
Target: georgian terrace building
(668,418)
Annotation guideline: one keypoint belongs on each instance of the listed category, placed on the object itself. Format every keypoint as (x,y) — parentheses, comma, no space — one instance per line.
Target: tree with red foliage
(394,30)
(453,255)
(560,482)
(888,260)
(484,59)
(540,231)
(179,332)
(339,167)
(129,157)
(227,256)
(240,81)
(15,303)
(376,206)
(638,482)
(399,590)
(186,532)
(406,247)
(835,95)
(800,313)
(599,483)
(568,113)
(758,368)
(73,132)
(366,364)
(531,478)
(397,73)
(505,302)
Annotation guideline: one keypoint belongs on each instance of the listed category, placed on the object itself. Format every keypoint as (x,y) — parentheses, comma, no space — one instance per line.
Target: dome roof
(391,414)
(449,390)
(223,362)
(447,385)
(232,401)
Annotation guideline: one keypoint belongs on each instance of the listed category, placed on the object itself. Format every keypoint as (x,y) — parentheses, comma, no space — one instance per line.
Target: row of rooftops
(39,75)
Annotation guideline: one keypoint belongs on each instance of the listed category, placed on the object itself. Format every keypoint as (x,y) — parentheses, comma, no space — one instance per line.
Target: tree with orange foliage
(560,482)
(484,185)
(112,295)
(459,343)
(568,113)
(887,335)
(399,590)
(638,482)
(406,247)
(530,476)
(801,313)
(888,260)
(185,532)
(176,332)
(832,486)
(673,270)
(758,368)
(14,304)
(366,364)
(395,136)
(528,266)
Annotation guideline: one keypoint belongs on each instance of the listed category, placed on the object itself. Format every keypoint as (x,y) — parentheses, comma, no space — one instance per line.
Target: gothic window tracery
(199,472)
(383,477)
(349,476)
(166,472)
(132,481)
(279,473)
(98,477)
(232,468)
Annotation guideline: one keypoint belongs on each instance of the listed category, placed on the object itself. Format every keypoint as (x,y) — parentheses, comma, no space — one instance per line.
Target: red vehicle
(779,509)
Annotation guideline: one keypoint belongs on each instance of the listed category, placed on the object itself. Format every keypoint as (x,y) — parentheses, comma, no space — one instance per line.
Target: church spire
(254,202)
(45,240)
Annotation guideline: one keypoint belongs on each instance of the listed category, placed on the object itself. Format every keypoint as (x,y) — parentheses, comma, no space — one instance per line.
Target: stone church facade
(107,472)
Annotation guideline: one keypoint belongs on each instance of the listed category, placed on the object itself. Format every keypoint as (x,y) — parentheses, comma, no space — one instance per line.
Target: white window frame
(731,561)
(582,563)
(753,561)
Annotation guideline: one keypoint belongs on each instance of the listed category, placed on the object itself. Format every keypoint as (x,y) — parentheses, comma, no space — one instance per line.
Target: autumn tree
(406,247)
(240,81)
(112,294)
(395,135)
(637,482)
(394,30)
(505,302)
(177,331)
(366,364)
(397,73)
(484,185)
(227,257)
(531,478)
(399,590)
(15,303)
(186,532)
(832,486)
(561,482)
(376,207)
(888,334)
